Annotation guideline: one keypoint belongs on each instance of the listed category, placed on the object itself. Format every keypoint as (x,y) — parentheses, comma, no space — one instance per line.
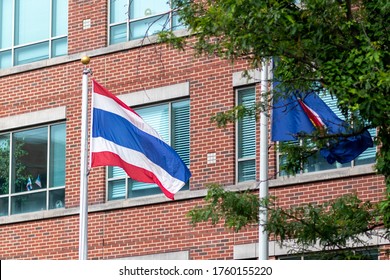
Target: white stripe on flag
(138,159)
(108,104)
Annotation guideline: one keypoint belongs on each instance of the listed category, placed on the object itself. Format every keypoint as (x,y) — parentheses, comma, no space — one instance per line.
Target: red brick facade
(141,227)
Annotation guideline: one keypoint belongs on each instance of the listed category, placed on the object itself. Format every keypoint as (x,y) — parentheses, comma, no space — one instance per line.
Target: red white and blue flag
(303,113)
(29,185)
(120,137)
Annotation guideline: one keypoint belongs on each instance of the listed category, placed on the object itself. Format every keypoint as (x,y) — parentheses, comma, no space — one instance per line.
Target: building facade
(175,92)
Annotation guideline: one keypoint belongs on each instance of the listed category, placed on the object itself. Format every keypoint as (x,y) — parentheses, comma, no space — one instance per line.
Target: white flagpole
(83,235)
(263,187)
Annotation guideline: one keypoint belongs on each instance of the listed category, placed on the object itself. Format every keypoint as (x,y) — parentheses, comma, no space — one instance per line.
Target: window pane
(5,24)
(32,53)
(246,125)
(181,129)
(59,47)
(32,21)
(57,155)
(146,8)
(4,206)
(57,199)
(369,155)
(176,24)
(5,59)
(246,170)
(117,189)
(148,27)
(246,137)
(158,118)
(28,203)
(60,18)
(319,163)
(29,160)
(119,10)
(115,172)
(332,104)
(140,189)
(4,164)
(118,34)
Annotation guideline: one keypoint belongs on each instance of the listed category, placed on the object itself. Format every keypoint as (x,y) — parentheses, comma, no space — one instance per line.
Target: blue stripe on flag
(120,131)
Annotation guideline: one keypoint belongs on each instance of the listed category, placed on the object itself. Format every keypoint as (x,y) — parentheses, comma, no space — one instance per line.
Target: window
(357,254)
(246,137)
(172,121)
(135,19)
(318,163)
(32,30)
(32,169)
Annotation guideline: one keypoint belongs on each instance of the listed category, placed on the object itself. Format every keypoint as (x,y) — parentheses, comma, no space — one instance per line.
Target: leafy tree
(19,167)
(337,46)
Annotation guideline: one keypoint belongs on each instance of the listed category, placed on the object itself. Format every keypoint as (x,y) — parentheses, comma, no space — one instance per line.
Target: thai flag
(29,186)
(121,138)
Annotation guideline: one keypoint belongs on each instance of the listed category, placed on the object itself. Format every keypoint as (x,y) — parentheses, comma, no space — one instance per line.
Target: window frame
(168,25)
(51,41)
(11,195)
(371,253)
(237,137)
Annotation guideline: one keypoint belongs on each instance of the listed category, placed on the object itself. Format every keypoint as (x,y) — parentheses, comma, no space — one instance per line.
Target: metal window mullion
(127,186)
(10,173)
(107,181)
(170,126)
(128,22)
(50,28)
(13,34)
(236,141)
(48,166)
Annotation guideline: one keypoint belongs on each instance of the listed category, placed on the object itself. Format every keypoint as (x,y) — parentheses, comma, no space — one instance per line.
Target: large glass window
(172,121)
(318,163)
(32,169)
(32,30)
(357,254)
(246,137)
(134,19)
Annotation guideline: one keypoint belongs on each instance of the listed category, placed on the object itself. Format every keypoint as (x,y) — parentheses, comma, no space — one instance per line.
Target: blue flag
(300,114)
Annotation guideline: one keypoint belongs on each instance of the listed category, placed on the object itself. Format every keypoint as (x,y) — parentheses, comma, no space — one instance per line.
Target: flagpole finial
(85,60)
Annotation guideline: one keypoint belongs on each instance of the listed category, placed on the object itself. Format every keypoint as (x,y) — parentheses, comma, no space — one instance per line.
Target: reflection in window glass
(4,163)
(5,23)
(32,53)
(135,19)
(29,170)
(32,21)
(32,30)
(38,156)
(57,155)
(28,203)
(146,8)
(148,27)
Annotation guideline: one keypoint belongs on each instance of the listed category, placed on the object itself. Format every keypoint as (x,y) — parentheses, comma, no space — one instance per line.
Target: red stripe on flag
(312,115)
(137,173)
